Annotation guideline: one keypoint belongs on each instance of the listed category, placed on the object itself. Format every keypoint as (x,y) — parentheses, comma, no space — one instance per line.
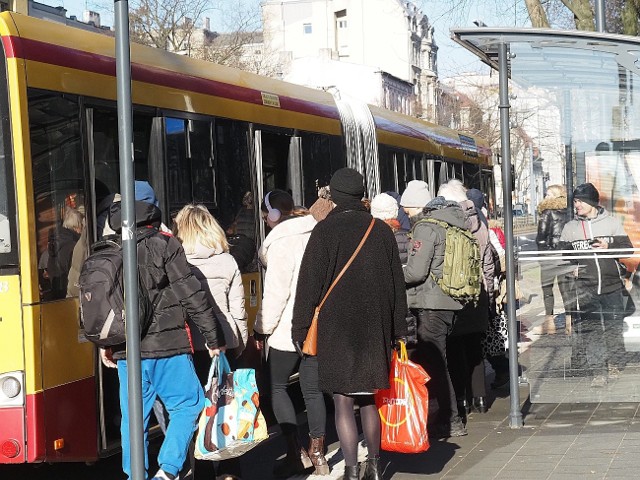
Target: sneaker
(162,475)
(599,381)
(457,428)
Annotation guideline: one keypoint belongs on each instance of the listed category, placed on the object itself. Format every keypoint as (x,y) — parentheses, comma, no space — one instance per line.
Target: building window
(307,29)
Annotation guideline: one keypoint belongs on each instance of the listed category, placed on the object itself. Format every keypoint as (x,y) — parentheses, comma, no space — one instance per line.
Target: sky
(452,58)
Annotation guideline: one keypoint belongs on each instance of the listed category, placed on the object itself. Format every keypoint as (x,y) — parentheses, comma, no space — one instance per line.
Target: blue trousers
(174,381)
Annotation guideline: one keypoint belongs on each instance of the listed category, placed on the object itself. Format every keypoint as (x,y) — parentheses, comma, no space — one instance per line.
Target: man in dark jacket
(165,348)
(600,289)
(433,308)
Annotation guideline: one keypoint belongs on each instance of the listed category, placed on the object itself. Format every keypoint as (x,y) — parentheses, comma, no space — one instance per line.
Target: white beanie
(384,207)
(416,194)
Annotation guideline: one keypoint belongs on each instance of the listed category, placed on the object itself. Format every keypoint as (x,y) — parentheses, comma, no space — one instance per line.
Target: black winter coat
(173,290)
(402,240)
(364,312)
(553,217)
(60,246)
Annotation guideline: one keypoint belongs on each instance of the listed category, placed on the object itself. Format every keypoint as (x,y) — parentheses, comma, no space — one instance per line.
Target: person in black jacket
(165,348)
(361,317)
(553,217)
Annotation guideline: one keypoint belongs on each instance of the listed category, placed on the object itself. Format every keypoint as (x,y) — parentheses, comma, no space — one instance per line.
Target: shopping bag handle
(403,356)
(219,366)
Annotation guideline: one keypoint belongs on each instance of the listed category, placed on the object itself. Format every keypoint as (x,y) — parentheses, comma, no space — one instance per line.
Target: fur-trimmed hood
(557,203)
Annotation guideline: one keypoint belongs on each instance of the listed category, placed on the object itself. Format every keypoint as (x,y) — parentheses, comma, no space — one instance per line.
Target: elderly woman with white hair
(464,346)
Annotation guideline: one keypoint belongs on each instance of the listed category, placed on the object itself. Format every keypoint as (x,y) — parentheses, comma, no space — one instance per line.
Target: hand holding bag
(310,346)
(404,406)
(231,422)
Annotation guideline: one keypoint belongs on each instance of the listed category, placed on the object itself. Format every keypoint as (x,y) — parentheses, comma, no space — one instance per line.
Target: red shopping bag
(404,407)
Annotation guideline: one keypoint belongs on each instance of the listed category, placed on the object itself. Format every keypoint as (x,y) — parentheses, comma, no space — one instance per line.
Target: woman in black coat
(360,319)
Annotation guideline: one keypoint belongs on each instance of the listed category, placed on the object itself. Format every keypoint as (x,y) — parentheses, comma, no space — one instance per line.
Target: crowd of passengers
(388,294)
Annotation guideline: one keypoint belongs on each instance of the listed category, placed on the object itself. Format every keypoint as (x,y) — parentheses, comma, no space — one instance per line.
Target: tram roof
(554,58)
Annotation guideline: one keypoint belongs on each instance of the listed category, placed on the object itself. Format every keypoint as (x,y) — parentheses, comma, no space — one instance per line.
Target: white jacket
(220,277)
(281,253)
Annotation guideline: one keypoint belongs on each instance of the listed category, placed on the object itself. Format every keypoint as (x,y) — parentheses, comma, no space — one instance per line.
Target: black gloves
(260,337)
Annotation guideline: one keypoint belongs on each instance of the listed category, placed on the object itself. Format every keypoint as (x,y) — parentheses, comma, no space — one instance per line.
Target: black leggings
(281,365)
(348,430)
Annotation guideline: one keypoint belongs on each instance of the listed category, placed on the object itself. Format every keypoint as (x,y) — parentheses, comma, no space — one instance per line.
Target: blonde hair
(556,191)
(194,224)
(73,219)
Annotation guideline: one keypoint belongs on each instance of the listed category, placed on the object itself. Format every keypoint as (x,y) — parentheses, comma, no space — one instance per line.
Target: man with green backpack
(442,275)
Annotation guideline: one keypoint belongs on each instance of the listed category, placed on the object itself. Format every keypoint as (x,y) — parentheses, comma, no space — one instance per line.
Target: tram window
(317,164)
(201,153)
(387,169)
(189,163)
(177,165)
(59,188)
(233,172)
(106,152)
(472,176)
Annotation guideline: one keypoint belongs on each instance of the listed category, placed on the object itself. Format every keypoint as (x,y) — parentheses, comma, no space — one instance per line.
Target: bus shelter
(580,92)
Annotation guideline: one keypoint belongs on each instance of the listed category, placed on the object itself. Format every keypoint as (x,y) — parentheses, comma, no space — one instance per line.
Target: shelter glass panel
(578,191)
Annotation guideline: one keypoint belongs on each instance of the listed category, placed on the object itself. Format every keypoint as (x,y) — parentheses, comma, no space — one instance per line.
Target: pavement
(558,441)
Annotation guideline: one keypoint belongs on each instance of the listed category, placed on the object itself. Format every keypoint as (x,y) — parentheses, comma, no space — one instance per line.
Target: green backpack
(461,272)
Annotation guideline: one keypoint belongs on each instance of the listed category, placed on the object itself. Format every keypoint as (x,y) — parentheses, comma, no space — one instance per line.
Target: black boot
(297,460)
(480,404)
(351,473)
(372,469)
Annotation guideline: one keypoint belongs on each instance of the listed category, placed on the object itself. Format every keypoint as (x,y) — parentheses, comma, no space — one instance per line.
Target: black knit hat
(347,185)
(587,193)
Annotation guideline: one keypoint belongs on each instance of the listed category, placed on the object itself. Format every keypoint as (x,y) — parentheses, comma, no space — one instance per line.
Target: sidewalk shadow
(430,462)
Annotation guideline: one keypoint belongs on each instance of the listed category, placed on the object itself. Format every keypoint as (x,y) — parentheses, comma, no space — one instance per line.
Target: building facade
(392,39)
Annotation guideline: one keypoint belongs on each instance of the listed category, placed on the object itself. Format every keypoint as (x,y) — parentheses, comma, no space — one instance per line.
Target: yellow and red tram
(202,133)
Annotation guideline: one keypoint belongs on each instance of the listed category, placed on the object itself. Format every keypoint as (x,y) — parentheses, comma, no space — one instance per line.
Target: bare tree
(166,24)
(537,14)
(622,16)
(470,104)
(242,47)
(183,26)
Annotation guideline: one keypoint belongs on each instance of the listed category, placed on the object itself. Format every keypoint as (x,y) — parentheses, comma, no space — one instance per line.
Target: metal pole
(568,152)
(515,416)
(533,200)
(129,244)
(601,25)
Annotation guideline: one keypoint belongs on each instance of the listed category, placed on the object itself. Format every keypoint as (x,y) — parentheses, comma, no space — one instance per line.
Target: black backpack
(102,313)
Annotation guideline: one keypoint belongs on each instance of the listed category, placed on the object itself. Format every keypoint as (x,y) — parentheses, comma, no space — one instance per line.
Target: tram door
(278,163)
(104,174)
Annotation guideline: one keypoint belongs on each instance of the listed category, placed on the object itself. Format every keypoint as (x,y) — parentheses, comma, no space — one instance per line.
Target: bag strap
(344,269)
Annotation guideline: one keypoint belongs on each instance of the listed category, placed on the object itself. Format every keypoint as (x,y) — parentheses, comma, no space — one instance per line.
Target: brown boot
(297,460)
(316,454)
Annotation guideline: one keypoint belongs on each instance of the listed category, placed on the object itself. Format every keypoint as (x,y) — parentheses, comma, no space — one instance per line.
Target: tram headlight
(11,387)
